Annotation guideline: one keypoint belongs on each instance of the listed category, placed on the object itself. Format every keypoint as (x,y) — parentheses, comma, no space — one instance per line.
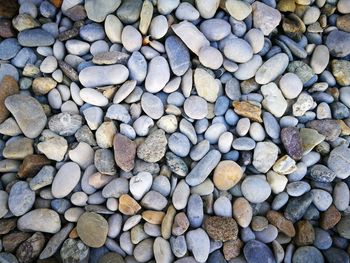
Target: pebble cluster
(174,131)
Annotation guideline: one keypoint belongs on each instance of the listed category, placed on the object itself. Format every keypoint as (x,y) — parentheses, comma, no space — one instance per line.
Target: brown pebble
(343,22)
(30,249)
(92,229)
(31,165)
(6,29)
(8,87)
(8,8)
(305,233)
(6,225)
(232,249)
(278,220)
(180,225)
(221,228)
(11,241)
(124,152)
(249,110)
(167,222)
(330,218)
(56,3)
(128,205)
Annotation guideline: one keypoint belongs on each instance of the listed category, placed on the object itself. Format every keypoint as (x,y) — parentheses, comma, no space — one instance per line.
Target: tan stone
(167,222)
(286,5)
(232,249)
(128,205)
(227,174)
(249,110)
(153,217)
(221,228)
(92,229)
(242,211)
(43,85)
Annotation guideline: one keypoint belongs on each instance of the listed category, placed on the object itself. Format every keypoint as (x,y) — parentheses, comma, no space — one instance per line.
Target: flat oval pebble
(238,50)
(255,189)
(65,180)
(94,76)
(272,68)
(158,74)
(152,105)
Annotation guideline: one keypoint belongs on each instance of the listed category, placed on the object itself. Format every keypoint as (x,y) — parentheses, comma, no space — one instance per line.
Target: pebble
(28,113)
(129,11)
(242,212)
(42,219)
(338,43)
(190,35)
(140,184)
(290,85)
(158,74)
(203,168)
(152,105)
(238,50)
(179,144)
(93,76)
(65,180)
(265,155)
(238,10)
(256,251)
(21,198)
(338,163)
(35,38)
(92,229)
(265,17)
(271,69)
(255,189)
(97,10)
(309,253)
(186,11)
(273,101)
(178,55)
(153,148)
(131,38)
(206,85)
(198,242)
(210,57)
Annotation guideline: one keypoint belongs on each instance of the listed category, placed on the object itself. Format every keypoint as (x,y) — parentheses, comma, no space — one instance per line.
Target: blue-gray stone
(60,205)
(203,168)
(178,55)
(307,254)
(8,69)
(35,38)
(24,56)
(216,257)
(272,127)
(336,255)
(9,48)
(323,239)
(47,9)
(297,206)
(92,32)
(257,252)
(338,43)
(195,210)
(221,105)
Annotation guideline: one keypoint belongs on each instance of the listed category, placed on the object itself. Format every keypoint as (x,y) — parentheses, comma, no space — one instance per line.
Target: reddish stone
(8,8)
(31,165)
(124,152)
(6,29)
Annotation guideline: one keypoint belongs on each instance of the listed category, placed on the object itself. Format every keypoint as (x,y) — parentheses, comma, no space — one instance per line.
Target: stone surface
(124,152)
(92,229)
(153,148)
(42,219)
(28,113)
(227,174)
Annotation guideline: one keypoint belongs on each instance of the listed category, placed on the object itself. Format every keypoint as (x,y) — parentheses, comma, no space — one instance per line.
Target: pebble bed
(174,131)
